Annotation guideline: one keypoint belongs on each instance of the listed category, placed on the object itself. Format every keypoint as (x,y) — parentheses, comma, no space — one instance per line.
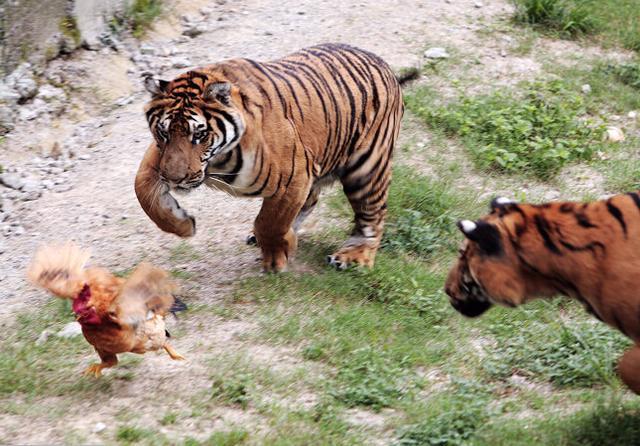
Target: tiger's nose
(175,179)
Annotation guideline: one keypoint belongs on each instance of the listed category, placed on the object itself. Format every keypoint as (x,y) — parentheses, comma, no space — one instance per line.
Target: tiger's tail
(408,75)
(59,269)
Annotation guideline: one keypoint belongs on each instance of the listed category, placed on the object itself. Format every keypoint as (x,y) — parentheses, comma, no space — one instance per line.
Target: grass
(536,131)
(614,22)
(565,17)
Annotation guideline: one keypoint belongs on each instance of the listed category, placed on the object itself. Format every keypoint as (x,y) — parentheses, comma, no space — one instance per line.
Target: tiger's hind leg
(629,368)
(368,199)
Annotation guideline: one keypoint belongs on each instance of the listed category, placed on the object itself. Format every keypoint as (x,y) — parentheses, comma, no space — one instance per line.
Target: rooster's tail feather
(59,269)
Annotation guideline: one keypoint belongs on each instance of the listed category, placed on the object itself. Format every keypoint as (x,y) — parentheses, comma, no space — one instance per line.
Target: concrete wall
(37,30)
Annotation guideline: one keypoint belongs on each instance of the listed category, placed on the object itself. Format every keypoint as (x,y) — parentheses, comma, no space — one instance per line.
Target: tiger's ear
(484,234)
(218,91)
(500,202)
(157,87)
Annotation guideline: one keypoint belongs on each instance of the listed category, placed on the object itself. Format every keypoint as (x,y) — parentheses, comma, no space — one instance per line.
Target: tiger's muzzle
(470,300)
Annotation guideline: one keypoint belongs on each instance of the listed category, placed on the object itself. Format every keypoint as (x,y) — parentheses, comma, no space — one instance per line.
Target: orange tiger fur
(586,251)
(278,130)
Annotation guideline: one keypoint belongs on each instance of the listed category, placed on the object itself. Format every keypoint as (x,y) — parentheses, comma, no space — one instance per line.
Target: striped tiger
(279,130)
(587,251)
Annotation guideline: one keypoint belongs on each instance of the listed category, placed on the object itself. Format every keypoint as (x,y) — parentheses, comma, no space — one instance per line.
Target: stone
(31,195)
(23,82)
(48,93)
(586,88)
(436,53)
(12,180)
(7,94)
(478,5)
(614,134)
(56,151)
(43,337)
(70,330)
(194,30)
(6,119)
(18,230)
(180,62)
(632,115)
(30,185)
(99,427)
(31,111)
(145,48)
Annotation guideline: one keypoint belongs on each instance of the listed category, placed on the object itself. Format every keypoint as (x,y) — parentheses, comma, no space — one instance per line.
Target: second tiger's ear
(486,235)
(218,91)
(500,202)
(157,87)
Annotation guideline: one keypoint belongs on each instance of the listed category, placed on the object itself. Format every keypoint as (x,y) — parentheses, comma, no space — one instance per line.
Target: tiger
(586,251)
(278,130)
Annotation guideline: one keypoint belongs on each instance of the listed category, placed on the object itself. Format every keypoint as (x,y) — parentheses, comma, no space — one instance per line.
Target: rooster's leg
(108,360)
(172,353)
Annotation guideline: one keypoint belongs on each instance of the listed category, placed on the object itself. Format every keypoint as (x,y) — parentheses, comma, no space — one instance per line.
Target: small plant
(313,352)
(131,434)
(229,438)
(578,354)
(452,419)
(234,391)
(369,378)
(539,131)
(169,418)
(141,14)
(627,73)
(566,17)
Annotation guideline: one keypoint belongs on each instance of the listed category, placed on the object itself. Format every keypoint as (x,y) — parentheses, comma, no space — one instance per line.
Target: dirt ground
(100,209)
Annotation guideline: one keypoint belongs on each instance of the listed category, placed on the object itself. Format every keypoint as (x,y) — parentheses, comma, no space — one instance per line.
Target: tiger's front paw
(353,255)
(276,253)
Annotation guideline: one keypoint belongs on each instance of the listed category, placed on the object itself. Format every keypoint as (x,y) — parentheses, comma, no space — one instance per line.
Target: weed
(627,73)
(229,438)
(169,418)
(573,353)
(568,18)
(234,390)
(313,352)
(69,27)
(539,131)
(132,434)
(452,417)
(368,377)
(141,14)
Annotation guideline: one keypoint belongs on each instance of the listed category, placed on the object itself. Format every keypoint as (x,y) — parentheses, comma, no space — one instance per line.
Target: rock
(31,195)
(503,53)
(436,53)
(43,337)
(614,134)
(70,330)
(6,119)
(7,94)
(84,157)
(31,111)
(478,5)
(632,115)
(147,49)
(194,30)
(23,82)
(180,62)
(99,427)
(12,180)
(63,188)
(30,185)
(586,88)
(124,101)
(48,93)
(18,230)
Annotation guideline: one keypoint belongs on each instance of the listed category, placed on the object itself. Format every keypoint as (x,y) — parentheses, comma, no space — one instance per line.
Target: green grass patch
(232,390)
(565,17)
(223,438)
(534,131)
(534,342)
(141,14)
(627,73)
(133,435)
(451,417)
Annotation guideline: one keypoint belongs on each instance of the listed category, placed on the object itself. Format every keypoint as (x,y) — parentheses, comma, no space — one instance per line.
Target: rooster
(116,315)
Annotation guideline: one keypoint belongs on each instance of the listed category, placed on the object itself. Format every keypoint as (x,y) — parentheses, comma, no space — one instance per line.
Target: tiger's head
(489,270)
(192,118)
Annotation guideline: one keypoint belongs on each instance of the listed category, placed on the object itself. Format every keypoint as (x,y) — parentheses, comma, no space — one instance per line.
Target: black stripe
(617,214)
(258,67)
(543,228)
(636,199)
(584,221)
(264,184)
(293,165)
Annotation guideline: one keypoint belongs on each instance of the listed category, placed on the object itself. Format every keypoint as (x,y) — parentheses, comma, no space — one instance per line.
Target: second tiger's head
(192,119)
